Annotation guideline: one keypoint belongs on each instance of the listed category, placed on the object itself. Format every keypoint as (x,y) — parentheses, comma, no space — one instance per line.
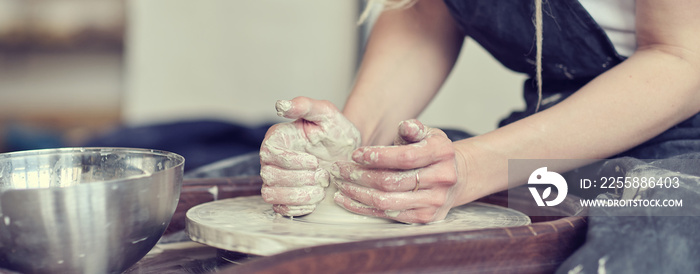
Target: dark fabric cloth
(576,50)
(201,142)
(241,165)
(645,239)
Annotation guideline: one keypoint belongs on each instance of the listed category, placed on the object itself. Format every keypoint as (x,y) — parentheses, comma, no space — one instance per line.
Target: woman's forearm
(624,107)
(408,57)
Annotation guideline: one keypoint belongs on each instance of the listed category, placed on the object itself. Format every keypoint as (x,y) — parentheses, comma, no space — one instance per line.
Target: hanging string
(366,11)
(538,61)
(386,5)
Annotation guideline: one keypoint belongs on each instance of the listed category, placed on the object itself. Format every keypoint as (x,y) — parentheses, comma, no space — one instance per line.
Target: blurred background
(178,75)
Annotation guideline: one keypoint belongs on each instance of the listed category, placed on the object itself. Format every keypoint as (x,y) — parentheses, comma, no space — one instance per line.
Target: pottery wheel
(248,225)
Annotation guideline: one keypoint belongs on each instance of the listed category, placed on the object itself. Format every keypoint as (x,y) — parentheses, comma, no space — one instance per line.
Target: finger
(355,207)
(304,195)
(306,108)
(290,210)
(275,176)
(433,149)
(284,146)
(410,216)
(390,180)
(411,131)
(287,158)
(419,215)
(318,118)
(392,200)
(381,179)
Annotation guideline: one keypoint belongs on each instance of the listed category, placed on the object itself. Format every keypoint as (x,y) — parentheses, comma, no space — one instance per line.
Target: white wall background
(233,59)
(478,93)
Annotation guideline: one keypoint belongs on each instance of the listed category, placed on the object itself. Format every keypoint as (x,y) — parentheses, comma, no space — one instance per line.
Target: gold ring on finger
(417,183)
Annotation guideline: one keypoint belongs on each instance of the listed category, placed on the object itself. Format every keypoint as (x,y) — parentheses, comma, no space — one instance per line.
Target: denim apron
(576,50)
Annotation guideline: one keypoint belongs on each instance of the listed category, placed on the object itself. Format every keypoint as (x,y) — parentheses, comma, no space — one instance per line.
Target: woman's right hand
(295,156)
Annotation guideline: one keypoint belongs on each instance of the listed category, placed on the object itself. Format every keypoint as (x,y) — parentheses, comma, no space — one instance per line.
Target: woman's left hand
(414,181)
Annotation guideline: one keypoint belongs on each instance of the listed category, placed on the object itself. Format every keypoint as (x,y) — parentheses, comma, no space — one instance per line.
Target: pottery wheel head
(248,225)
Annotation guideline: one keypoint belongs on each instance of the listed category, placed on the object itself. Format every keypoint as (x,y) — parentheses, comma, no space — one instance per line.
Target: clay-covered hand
(295,156)
(382,181)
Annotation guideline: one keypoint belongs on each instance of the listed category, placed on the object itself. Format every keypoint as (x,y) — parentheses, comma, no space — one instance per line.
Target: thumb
(317,111)
(411,131)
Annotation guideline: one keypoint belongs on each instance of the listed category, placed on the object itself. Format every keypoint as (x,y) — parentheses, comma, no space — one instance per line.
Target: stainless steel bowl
(84,210)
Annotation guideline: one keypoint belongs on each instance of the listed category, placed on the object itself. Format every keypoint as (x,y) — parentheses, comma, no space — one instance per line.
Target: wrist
(480,170)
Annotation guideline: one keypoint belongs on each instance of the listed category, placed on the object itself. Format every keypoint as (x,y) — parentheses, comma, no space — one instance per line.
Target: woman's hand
(415,181)
(295,156)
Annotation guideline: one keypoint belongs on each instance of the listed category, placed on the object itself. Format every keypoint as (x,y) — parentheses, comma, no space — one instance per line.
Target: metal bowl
(84,210)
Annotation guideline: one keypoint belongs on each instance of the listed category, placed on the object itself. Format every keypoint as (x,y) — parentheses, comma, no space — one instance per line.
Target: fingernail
(358,156)
(412,127)
(322,177)
(282,106)
(403,128)
(334,169)
(392,213)
(338,197)
(268,194)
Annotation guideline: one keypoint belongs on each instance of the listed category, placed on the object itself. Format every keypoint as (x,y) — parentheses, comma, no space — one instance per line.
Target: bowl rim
(64,150)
